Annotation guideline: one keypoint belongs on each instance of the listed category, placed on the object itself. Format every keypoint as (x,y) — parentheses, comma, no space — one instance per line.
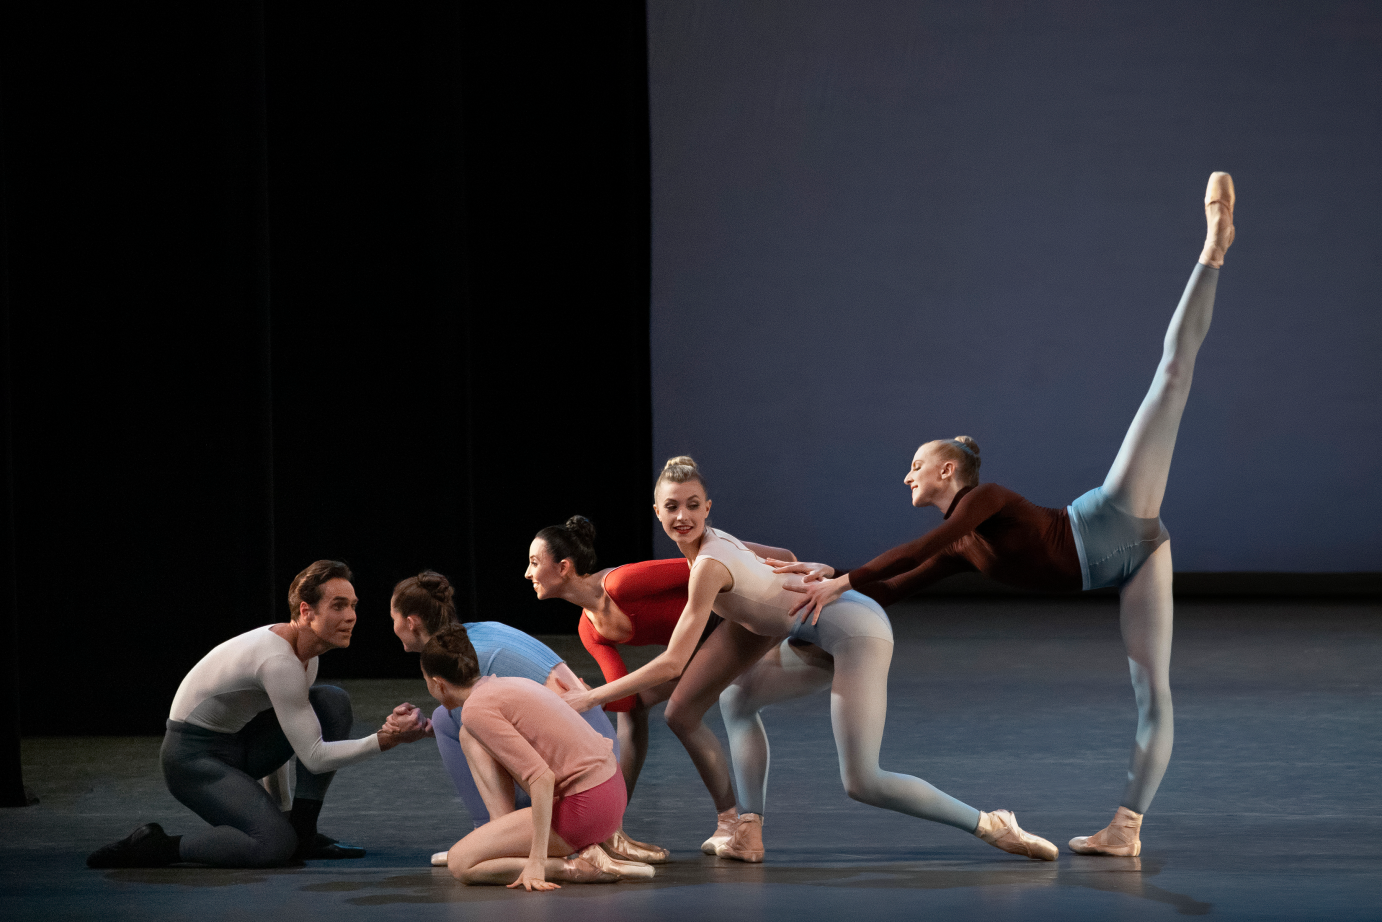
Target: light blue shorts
(853,614)
(1112,544)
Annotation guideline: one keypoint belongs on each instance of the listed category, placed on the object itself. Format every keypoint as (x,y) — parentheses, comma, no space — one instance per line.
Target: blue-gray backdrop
(877,223)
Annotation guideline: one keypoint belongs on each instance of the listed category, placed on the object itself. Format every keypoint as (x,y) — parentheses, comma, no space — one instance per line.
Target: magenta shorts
(593,815)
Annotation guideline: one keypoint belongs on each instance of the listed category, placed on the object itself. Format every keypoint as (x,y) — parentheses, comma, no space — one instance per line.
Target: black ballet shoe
(147,847)
(325,848)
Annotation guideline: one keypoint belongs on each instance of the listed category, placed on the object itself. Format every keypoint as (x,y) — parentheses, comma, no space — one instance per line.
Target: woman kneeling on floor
(515,730)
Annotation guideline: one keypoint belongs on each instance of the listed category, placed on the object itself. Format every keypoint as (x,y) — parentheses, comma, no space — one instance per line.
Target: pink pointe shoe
(1121,838)
(725,821)
(747,842)
(1000,830)
(592,865)
(1219,199)
(622,847)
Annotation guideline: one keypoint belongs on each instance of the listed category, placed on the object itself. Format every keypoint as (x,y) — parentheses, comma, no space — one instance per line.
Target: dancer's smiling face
(409,629)
(930,476)
(546,574)
(682,509)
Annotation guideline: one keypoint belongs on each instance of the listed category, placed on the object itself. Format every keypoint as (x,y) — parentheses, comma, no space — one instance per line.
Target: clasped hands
(816,584)
(406,725)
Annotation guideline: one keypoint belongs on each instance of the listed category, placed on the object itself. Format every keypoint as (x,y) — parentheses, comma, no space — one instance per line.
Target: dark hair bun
(582,530)
(574,541)
(436,585)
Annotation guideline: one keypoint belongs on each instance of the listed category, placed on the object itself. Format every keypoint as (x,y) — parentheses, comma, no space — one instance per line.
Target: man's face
(333,618)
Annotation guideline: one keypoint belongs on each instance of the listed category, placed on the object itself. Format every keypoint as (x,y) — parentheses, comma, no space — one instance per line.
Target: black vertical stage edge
(11,769)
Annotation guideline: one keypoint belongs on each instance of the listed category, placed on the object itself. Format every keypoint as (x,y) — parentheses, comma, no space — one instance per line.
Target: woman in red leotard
(637,604)
(1110,536)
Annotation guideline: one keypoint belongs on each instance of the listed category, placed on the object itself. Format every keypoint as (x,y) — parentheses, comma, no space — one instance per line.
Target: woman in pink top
(515,730)
(849,651)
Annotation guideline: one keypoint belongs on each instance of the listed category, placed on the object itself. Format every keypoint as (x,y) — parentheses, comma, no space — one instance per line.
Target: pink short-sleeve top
(528,729)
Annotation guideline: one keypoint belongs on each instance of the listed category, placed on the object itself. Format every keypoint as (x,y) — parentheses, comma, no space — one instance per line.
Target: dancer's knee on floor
(273,849)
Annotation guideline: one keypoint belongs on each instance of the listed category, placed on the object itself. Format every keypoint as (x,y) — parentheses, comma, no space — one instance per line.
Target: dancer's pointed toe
(1219,199)
(621,846)
(609,866)
(999,829)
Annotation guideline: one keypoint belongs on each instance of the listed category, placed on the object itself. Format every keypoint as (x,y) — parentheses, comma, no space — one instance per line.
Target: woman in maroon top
(1110,536)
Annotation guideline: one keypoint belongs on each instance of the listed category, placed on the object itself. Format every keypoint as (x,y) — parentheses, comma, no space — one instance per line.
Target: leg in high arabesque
(1137,484)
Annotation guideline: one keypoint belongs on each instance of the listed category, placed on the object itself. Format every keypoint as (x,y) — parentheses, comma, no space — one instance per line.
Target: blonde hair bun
(969,443)
(681,469)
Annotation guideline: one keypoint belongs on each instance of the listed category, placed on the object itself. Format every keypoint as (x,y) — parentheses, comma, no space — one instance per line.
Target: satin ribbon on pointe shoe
(999,828)
(620,870)
(1221,231)
(747,842)
(1121,838)
(621,846)
(725,821)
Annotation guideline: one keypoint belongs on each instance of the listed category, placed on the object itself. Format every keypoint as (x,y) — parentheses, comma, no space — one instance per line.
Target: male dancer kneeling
(517,730)
(242,712)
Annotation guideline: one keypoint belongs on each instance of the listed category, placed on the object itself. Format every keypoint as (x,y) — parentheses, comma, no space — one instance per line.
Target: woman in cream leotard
(636,604)
(850,648)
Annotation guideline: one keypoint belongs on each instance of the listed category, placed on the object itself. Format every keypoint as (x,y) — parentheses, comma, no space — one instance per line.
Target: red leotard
(653,595)
(987,528)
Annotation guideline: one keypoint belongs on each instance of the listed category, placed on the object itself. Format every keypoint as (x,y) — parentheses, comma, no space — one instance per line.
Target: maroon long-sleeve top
(987,528)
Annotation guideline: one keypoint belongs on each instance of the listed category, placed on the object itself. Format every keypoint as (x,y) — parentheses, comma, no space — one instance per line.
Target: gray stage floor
(1271,808)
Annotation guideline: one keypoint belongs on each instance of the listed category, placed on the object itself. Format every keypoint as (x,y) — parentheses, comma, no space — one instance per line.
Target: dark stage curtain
(286,284)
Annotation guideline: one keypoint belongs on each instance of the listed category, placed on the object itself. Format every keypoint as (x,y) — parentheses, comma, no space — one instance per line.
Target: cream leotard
(760,600)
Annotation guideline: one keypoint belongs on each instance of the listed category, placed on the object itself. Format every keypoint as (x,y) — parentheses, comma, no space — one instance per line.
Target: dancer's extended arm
(970,510)
(708,578)
(285,683)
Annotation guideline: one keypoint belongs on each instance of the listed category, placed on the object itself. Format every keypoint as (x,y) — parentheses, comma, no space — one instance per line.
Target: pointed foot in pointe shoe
(747,842)
(1120,838)
(619,870)
(1219,199)
(999,829)
(622,847)
(146,847)
(577,870)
